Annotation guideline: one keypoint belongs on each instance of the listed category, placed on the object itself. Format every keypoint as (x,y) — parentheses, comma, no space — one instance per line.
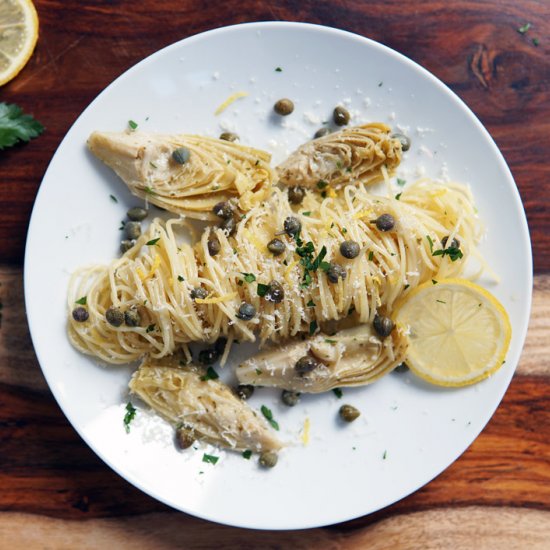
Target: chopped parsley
(150,191)
(113,198)
(524,28)
(180,279)
(129,416)
(312,327)
(338,392)
(431,243)
(247,454)
(277,70)
(398,196)
(385,455)
(150,328)
(269,417)
(308,213)
(153,165)
(210,374)
(311,303)
(434,282)
(262,289)
(321,184)
(249,277)
(441,301)
(380,84)
(453,252)
(210,459)
(153,242)
(371,256)
(258,371)
(329,341)
(82,301)
(133,125)
(536,41)
(401,182)
(344,230)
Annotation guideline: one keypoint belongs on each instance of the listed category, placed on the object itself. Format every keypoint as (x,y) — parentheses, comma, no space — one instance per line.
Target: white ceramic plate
(408,431)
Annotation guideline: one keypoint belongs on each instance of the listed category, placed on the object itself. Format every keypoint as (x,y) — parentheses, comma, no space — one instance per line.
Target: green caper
(335,272)
(80,314)
(455,243)
(276,247)
(405,141)
(268,459)
(292,225)
(348,413)
(137,214)
(290,398)
(321,132)
(296,194)
(132,230)
(114,316)
(403,367)
(126,245)
(275,292)
(184,437)
(382,325)
(283,107)
(244,391)
(305,364)
(181,155)
(214,245)
(198,292)
(330,327)
(385,222)
(132,317)
(229,136)
(223,210)
(246,312)
(229,226)
(208,356)
(340,115)
(350,249)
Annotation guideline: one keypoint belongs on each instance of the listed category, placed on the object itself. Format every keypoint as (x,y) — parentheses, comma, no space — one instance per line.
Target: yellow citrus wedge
(458,332)
(18,36)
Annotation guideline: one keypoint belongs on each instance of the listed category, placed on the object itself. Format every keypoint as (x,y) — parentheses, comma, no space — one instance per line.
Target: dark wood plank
(473,46)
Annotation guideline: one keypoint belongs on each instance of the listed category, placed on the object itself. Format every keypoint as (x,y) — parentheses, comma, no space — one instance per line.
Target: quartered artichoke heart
(352,357)
(352,155)
(208,172)
(206,407)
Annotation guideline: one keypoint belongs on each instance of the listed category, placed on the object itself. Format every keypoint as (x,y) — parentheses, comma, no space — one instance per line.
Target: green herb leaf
(210,459)
(278,70)
(398,196)
(150,328)
(524,28)
(249,277)
(434,282)
(384,456)
(262,289)
(453,252)
(308,213)
(324,266)
(344,230)
(113,198)
(258,371)
(329,341)
(247,454)
(371,256)
(321,184)
(431,243)
(16,126)
(150,191)
(180,278)
(311,303)
(133,125)
(312,327)
(82,301)
(153,242)
(210,374)
(129,416)
(338,392)
(441,301)
(536,41)
(401,182)
(269,416)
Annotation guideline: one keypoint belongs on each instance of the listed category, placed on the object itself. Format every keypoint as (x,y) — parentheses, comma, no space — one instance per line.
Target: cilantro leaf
(16,126)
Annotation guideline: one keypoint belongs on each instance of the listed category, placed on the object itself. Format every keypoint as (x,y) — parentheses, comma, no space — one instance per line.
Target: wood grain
(473,46)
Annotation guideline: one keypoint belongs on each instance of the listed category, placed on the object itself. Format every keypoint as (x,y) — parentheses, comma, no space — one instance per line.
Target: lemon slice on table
(18,36)
(458,332)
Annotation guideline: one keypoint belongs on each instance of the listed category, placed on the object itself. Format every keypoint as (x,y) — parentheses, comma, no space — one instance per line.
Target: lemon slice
(18,36)
(458,332)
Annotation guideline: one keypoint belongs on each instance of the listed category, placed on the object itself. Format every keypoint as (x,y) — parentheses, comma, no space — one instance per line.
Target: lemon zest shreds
(216,300)
(305,431)
(231,99)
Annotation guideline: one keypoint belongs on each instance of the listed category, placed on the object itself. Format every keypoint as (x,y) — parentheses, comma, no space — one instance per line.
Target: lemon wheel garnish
(458,332)
(18,36)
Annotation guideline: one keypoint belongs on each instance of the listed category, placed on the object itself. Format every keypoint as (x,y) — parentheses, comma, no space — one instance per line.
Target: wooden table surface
(55,493)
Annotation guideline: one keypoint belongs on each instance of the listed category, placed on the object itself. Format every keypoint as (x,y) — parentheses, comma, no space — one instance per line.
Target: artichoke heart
(352,357)
(354,155)
(208,408)
(211,171)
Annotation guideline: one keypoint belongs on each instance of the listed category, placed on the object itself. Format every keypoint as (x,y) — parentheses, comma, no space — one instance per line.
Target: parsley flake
(262,290)
(536,41)
(180,279)
(269,416)
(247,454)
(431,243)
(401,182)
(385,455)
(371,256)
(321,184)
(82,301)
(308,213)
(133,125)
(258,371)
(311,303)
(524,28)
(210,374)
(153,242)
(453,252)
(434,282)
(150,328)
(312,327)
(129,416)
(113,198)
(338,392)
(210,459)
(278,70)
(441,301)
(398,196)
(329,341)
(249,277)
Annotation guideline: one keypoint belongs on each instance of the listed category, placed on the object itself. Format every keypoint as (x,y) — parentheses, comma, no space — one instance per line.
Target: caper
(305,364)
(321,132)
(229,136)
(290,398)
(276,247)
(405,141)
(385,222)
(244,391)
(335,272)
(348,413)
(137,214)
(198,292)
(132,230)
(340,115)
(268,459)
(126,245)
(80,314)
(114,316)
(283,107)
(382,325)
(403,367)
(246,312)
(184,437)
(292,225)
(229,226)
(275,292)
(132,317)
(455,243)
(296,194)
(181,155)
(208,356)
(214,246)
(330,327)
(223,210)
(350,249)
